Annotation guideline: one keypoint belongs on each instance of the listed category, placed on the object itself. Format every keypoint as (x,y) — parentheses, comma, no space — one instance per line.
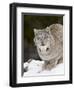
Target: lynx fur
(49,43)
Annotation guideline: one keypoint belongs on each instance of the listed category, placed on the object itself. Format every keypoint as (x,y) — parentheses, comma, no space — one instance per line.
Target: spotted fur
(49,43)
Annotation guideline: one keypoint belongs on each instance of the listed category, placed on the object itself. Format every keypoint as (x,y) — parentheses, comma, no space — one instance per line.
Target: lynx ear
(48,30)
(35,31)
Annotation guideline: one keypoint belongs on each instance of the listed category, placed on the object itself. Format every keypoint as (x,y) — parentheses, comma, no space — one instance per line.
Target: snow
(35,69)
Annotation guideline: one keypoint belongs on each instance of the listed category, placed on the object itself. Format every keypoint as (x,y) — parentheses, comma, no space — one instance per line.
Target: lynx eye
(38,38)
(46,37)
(39,49)
(47,49)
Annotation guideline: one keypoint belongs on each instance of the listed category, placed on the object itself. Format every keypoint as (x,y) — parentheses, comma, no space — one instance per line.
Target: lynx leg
(60,60)
(49,64)
(52,64)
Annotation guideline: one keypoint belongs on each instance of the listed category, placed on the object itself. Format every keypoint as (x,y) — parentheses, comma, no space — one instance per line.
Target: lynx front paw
(48,65)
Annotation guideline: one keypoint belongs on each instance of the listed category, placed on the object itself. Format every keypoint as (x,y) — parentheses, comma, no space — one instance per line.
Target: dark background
(39,22)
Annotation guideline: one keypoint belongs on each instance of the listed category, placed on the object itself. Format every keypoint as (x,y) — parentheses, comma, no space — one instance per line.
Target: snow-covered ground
(35,69)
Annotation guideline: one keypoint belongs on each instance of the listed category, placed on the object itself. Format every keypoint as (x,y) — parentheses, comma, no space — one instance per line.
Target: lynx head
(42,40)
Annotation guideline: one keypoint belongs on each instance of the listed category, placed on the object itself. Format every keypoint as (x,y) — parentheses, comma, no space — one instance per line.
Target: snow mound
(35,69)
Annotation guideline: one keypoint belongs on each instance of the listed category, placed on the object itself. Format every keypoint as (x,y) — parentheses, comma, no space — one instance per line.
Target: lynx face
(42,41)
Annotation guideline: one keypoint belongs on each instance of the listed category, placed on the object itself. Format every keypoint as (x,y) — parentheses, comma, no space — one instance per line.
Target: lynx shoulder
(49,43)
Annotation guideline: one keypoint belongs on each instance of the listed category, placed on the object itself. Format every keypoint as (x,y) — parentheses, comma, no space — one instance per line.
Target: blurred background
(39,22)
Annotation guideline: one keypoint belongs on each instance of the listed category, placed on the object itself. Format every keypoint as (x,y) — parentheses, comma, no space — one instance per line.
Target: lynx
(49,43)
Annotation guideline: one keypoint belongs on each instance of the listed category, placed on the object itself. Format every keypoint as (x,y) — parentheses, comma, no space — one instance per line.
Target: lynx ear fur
(48,30)
(51,36)
(35,31)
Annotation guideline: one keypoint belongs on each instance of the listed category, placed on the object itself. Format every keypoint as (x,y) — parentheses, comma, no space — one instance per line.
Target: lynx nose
(42,44)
